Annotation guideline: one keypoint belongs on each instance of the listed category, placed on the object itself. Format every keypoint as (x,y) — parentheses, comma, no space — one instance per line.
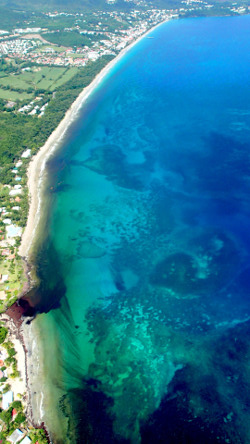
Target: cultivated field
(47,78)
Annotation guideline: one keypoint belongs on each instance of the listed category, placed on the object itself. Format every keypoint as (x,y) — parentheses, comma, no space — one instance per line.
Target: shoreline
(36,172)
(23,341)
(37,167)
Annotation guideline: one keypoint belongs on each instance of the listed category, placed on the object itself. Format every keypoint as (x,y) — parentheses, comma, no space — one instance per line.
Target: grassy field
(15,282)
(48,78)
(44,48)
(14,95)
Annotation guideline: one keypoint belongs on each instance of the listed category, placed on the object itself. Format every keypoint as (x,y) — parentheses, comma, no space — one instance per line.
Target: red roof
(14,412)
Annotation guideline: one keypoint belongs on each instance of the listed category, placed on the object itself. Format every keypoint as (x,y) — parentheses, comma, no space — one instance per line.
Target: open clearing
(47,78)
(7,94)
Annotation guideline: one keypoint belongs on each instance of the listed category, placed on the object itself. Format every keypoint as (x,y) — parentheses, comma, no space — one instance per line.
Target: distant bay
(145,270)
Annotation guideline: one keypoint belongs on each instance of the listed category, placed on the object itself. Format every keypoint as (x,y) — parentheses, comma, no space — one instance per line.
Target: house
(7,399)
(26,153)
(26,440)
(16,436)
(15,192)
(5,252)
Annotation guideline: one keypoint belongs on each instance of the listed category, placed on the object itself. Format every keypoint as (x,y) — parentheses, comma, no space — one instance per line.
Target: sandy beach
(33,365)
(37,167)
(18,385)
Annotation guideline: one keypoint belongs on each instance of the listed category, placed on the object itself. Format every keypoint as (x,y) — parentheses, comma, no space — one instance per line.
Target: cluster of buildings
(25,43)
(65,58)
(18,48)
(109,43)
(32,108)
(19,435)
(239,9)
(9,230)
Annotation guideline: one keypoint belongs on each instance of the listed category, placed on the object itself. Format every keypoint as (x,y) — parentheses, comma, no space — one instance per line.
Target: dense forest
(72,39)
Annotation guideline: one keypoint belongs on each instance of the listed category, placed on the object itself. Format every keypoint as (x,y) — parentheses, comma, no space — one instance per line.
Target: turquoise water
(145,274)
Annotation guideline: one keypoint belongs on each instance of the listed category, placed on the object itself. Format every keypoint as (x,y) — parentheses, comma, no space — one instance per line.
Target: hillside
(80,5)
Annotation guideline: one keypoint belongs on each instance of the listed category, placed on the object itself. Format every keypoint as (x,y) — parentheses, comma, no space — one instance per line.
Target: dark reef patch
(91,416)
(177,273)
(212,261)
(110,161)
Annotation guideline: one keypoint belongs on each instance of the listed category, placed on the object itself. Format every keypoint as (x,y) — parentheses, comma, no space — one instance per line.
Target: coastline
(28,334)
(37,166)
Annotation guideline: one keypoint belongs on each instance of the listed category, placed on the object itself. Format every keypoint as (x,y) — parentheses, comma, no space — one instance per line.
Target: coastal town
(15,426)
(28,49)
(39,68)
(35,50)
(30,44)
(35,62)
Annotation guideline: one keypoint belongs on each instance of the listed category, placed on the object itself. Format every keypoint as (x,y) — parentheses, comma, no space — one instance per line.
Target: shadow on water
(51,289)
(207,402)
(89,413)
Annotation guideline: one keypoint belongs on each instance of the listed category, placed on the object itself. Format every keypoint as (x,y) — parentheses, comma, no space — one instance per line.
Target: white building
(26,153)
(26,440)
(7,399)
(16,436)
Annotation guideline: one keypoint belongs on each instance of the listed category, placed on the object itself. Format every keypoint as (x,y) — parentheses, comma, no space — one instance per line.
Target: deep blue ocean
(146,268)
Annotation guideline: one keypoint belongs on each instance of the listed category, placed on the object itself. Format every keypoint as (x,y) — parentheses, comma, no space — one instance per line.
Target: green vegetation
(10,421)
(66,5)
(22,85)
(11,424)
(9,18)
(19,132)
(6,388)
(16,279)
(17,405)
(3,334)
(25,83)
(14,95)
(16,133)
(38,435)
(65,95)
(73,38)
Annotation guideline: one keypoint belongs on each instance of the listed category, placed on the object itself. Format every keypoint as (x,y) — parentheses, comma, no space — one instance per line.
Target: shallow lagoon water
(145,274)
